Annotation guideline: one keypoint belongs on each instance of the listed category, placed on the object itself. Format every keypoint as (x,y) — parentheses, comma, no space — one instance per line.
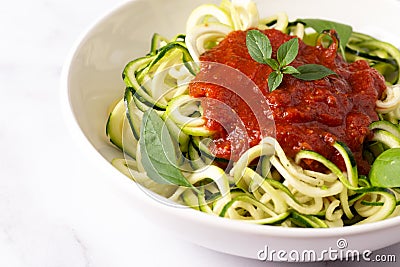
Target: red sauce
(308,114)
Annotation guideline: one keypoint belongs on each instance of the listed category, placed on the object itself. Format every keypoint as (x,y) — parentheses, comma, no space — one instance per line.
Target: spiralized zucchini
(275,190)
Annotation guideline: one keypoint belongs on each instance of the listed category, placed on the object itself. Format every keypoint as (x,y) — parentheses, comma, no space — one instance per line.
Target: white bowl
(92,80)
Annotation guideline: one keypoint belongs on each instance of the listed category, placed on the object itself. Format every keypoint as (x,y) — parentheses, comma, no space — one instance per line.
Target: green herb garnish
(319,25)
(260,49)
(311,72)
(386,169)
(158,151)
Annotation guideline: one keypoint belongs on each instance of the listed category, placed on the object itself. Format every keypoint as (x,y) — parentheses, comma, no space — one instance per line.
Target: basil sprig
(158,151)
(260,49)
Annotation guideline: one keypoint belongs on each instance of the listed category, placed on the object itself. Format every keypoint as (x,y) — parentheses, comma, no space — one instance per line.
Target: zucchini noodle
(264,186)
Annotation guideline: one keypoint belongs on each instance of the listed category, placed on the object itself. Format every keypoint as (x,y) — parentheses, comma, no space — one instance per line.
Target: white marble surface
(53,213)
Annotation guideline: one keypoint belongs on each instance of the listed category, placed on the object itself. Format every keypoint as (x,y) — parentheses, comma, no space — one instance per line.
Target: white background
(53,210)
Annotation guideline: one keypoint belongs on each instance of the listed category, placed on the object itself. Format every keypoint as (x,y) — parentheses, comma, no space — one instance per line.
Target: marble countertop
(51,215)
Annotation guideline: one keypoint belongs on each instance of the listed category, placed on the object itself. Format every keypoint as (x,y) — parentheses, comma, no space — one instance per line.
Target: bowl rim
(187,213)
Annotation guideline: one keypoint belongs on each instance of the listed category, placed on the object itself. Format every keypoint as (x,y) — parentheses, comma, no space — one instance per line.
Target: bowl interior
(93,81)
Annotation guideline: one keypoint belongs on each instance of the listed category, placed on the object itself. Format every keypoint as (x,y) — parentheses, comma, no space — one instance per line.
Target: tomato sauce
(308,115)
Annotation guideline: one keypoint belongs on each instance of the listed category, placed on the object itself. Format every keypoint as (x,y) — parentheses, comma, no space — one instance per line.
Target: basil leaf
(272,63)
(259,46)
(311,72)
(274,80)
(290,70)
(343,30)
(386,169)
(158,151)
(287,52)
